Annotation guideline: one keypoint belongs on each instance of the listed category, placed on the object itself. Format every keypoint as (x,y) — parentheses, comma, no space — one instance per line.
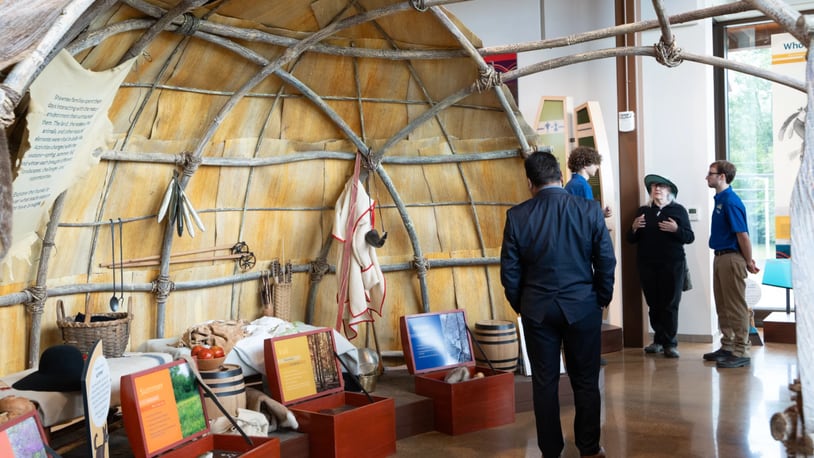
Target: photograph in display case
(439,340)
(164,415)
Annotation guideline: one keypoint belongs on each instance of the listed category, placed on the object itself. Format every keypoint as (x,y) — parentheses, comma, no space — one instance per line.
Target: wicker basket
(282,301)
(275,290)
(115,333)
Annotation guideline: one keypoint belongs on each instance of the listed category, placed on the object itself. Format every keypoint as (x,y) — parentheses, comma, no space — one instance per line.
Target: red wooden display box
(303,374)
(434,344)
(164,416)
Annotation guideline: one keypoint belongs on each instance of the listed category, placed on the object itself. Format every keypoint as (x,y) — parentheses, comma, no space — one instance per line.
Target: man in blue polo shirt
(729,238)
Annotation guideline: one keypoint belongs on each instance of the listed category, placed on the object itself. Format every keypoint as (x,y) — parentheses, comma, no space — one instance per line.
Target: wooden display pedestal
(461,407)
(780,327)
(612,338)
(303,374)
(348,425)
(469,406)
(159,424)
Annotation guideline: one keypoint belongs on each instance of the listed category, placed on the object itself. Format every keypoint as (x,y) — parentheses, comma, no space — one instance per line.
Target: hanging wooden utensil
(192,213)
(179,210)
(121,259)
(114,301)
(265,294)
(167,200)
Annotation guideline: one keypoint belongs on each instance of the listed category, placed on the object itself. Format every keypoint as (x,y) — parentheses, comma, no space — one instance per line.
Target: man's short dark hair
(583,156)
(543,169)
(727,168)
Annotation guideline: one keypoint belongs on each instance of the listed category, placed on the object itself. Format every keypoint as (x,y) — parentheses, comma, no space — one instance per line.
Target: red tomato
(196,349)
(217,351)
(205,353)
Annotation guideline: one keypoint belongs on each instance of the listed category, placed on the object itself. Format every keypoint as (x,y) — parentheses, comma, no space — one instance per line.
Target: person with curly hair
(584,163)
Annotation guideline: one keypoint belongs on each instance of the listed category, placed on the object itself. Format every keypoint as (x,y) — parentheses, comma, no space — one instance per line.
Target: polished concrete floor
(656,407)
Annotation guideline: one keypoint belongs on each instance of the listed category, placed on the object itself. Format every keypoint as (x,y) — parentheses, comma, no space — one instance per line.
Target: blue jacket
(556,252)
(579,186)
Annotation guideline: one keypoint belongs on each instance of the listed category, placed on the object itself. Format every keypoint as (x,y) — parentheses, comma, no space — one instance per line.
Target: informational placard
(302,366)
(156,404)
(169,406)
(96,387)
(67,129)
(554,124)
(295,368)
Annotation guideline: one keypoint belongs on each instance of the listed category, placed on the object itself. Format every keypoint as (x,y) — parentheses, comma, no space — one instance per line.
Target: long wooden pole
(23,72)
(93,38)
(484,69)
(37,304)
(128,262)
(156,261)
(22,297)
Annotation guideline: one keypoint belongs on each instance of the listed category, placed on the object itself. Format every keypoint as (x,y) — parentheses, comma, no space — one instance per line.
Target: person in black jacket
(661,229)
(556,268)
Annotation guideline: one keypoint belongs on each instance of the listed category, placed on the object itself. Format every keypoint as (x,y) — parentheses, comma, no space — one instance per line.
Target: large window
(749,131)
(763,129)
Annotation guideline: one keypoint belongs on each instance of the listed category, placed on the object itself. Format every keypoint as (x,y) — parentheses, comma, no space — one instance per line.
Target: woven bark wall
(175,94)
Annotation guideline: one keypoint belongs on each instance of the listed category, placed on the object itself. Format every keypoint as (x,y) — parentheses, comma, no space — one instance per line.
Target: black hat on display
(658,179)
(60,369)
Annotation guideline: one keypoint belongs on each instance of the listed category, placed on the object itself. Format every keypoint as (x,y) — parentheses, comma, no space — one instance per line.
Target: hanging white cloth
(364,278)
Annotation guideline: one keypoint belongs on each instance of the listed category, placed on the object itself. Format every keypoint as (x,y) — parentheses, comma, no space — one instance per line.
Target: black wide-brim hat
(658,179)
(60,369)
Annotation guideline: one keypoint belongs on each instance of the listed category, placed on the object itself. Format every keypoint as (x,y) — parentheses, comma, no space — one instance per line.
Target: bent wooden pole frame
(666,34)
(785,15)
(21,75)
(22,297)
(485,69)
(410,228)
(36,305)
(182,7)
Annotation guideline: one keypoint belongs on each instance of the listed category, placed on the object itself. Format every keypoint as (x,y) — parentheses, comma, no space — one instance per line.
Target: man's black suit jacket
(557,252)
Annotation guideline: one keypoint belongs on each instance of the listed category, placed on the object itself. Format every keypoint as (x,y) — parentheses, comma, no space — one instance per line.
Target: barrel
(226,383)
(496,341)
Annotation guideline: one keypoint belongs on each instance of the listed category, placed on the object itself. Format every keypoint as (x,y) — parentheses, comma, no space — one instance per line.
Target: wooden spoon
(114,301)
(121,258)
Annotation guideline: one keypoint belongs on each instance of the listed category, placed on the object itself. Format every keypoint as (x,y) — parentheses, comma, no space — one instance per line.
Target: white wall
(500,23)
(675,116)
(677,123)
(515,21)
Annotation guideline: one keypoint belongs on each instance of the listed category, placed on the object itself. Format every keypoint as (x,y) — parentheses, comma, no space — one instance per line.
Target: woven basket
(115,333)
(282,301)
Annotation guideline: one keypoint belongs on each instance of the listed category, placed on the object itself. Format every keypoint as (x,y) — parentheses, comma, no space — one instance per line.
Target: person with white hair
(660,230)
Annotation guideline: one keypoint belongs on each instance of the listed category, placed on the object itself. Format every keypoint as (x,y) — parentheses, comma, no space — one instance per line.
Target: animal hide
(278,415)
(219,332)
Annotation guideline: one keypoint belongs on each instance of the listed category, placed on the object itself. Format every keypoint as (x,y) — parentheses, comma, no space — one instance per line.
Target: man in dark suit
(556,266)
